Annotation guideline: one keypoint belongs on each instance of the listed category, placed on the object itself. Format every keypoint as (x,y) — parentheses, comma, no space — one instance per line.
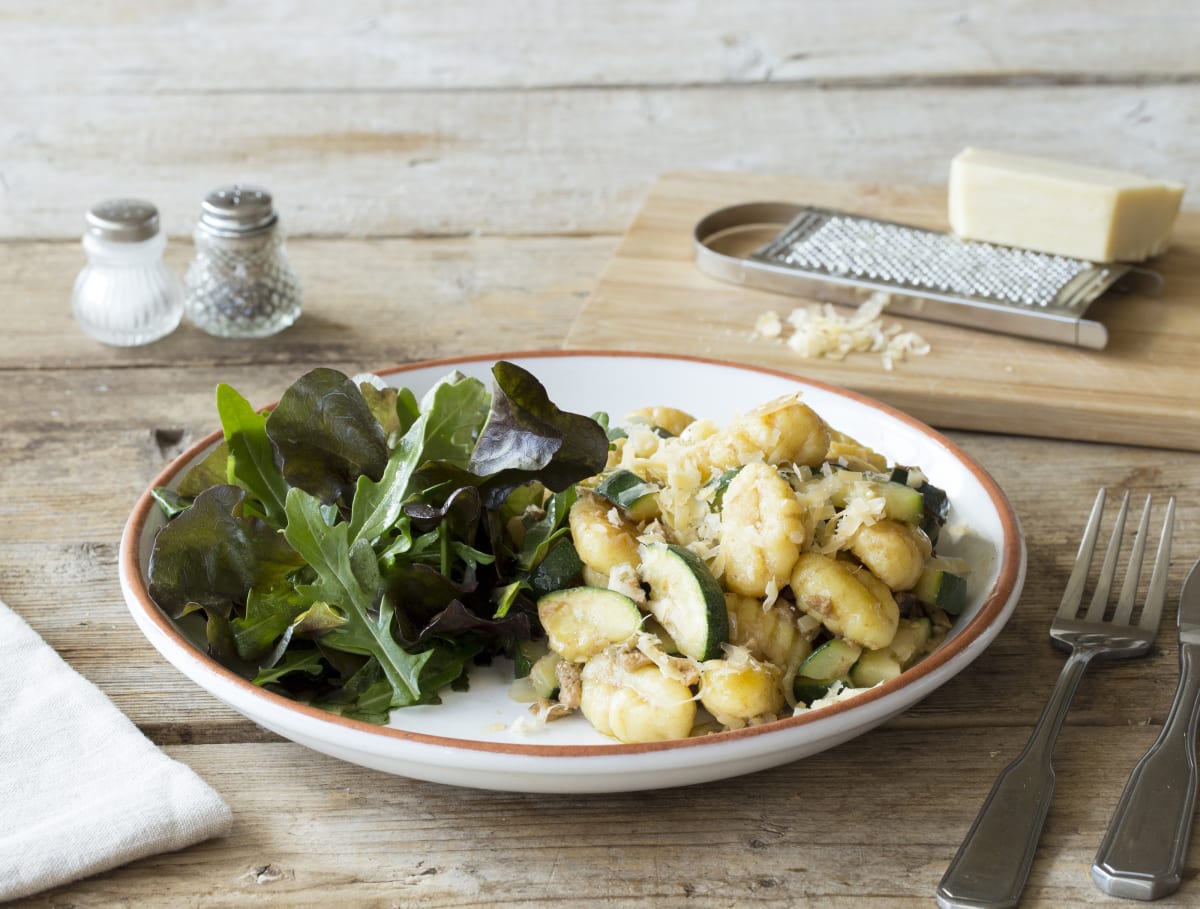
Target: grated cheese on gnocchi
(782,530)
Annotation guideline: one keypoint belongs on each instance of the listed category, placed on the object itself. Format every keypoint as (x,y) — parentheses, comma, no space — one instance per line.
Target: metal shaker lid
(237,211)
(122,220)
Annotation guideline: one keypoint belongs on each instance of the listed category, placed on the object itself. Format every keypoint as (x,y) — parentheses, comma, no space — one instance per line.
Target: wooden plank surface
(779,839)
(551,161)
(455,178)
(1139,390)
(533,43)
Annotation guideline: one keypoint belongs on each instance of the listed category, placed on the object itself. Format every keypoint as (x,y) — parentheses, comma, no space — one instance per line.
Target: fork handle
(1143,852)
(992,864)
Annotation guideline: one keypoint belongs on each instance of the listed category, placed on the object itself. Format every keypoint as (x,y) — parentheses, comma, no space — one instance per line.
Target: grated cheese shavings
(819,330)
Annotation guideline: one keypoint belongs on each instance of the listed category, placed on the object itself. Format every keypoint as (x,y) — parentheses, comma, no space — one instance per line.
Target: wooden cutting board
(1142,389)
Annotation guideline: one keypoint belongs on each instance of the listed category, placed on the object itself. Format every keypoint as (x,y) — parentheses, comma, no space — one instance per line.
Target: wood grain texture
(367,304)
(780,838)
(455,177)
(535,43)
(1139,390)
(553,161)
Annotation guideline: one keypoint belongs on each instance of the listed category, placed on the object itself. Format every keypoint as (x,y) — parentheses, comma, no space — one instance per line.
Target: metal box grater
(838,257)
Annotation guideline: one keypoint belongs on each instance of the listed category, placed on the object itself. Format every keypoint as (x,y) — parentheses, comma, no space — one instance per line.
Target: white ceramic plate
(470,739)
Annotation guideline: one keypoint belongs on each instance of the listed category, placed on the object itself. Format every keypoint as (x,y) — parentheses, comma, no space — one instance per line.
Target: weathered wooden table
(455,177)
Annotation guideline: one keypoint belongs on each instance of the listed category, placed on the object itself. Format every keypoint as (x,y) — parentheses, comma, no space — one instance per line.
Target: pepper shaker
(126,295)
(241,284)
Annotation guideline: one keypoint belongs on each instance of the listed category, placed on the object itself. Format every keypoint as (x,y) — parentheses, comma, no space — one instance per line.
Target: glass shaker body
(241,284)
(126,295)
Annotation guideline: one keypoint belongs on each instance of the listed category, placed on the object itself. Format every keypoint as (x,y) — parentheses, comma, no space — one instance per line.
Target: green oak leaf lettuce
(353,547)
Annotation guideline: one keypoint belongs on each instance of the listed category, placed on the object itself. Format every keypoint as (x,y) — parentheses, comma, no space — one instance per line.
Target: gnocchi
(770,560)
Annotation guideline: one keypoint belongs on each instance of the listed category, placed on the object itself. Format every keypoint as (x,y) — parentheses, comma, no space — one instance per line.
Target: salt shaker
(240,284)
(126,295)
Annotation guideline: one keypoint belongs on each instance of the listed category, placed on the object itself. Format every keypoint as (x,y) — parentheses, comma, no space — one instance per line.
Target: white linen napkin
(81,789)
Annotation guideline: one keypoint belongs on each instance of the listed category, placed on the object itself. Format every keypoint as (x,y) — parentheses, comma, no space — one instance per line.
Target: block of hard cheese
(1060,208)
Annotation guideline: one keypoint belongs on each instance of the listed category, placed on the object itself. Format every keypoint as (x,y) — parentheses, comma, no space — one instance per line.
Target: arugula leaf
(213,555)
(170,502)
(348,577)
(377,504)
(408,409)
(366,695)
(326,436)
(251,461)
(452,414)
(527,437)
(352,525)
(307,661)
(445,432)
(268,615)
(221,645)
(541,534)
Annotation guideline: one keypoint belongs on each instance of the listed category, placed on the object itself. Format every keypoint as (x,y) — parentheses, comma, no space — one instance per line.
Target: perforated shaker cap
(122,220)
(237,211)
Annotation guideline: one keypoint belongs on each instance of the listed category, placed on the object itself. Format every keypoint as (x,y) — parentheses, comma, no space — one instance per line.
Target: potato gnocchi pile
(737,574)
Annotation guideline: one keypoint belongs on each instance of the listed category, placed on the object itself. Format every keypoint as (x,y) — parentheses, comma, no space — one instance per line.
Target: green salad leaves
(359,549)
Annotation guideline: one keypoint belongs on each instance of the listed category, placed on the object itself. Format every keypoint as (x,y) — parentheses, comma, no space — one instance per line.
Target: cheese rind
(1060,208)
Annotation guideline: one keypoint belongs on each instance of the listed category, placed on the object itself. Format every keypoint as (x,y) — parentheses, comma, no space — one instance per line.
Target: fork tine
(1133,571)
(1108,570)
(1073,593)
(1157,593)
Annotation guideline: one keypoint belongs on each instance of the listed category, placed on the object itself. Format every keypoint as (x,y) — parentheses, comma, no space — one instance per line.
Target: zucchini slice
(686,599)
(718,485)
(832,660)
(582,621)
(900,502)
(525,654)
(626,489)
(942,589)
(873,667)
(809,690)
(543,676)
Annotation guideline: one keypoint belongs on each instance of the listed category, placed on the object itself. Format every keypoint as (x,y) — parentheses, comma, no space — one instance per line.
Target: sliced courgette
(582,621)
(909,643)
(831,660)
(873,667)
(900,502)
(543,676)
(718,485)
(625,488)
(936,504)
(942,589)
(560,567)
(653,626)
(809,690)
(686,599)
(525,654)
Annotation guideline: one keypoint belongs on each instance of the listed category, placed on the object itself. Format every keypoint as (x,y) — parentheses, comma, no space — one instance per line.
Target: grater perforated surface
(916,259)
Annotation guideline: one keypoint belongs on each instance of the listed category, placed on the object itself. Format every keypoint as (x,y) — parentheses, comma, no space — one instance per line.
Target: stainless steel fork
(991,866)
